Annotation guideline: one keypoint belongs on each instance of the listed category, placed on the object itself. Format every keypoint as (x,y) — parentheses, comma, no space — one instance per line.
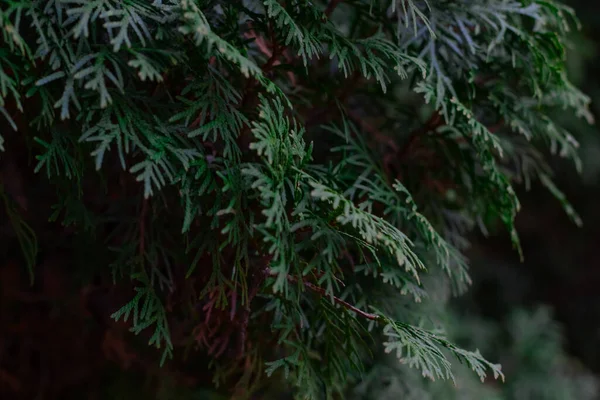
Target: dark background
(562,261)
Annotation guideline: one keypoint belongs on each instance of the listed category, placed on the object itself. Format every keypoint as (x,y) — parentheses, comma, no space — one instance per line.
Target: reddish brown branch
(322,292)
(331,7)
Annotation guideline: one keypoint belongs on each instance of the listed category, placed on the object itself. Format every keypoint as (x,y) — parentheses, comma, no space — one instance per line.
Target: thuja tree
(286,186)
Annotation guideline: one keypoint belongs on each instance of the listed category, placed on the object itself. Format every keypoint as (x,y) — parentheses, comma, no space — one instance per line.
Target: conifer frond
(372,56)
(279,143)
(27,237)
(372,229)
(304,39)
(212,113)
(196,24)
(397,201)
(146,309)
(423,350)
(56,158)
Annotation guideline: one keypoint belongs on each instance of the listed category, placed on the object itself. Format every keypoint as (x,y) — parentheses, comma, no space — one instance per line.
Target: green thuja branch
(422,349)
(414,346)
(206,150)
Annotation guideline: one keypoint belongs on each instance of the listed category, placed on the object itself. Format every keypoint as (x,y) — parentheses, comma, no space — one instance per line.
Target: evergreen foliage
(288,184)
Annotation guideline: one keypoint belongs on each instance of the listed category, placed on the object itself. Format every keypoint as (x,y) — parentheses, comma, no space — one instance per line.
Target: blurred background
(562,261)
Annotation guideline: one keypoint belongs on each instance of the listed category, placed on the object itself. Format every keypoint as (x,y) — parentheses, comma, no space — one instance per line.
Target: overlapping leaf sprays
(293,165)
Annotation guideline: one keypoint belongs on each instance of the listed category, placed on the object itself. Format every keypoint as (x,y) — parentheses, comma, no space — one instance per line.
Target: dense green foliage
(288,185)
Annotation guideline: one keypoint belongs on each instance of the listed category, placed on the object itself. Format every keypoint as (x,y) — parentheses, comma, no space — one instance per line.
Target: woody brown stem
(322,292)
(331,7)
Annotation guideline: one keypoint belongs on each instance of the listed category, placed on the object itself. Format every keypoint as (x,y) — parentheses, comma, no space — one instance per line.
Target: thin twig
(323,292)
